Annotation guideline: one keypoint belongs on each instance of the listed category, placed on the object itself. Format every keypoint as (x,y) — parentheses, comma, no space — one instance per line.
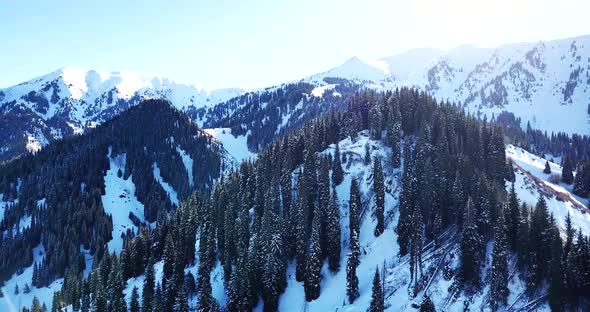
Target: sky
(259,43)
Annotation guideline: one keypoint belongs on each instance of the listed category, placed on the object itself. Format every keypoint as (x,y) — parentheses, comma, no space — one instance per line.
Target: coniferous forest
(283,208)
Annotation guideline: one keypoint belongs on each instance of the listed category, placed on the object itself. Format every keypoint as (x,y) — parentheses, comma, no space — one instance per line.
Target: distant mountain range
(544,83)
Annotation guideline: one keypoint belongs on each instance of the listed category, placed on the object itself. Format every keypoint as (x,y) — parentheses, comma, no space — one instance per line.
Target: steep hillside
(79,196)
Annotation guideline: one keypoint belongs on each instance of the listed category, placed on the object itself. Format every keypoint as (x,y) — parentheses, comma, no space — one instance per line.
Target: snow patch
(120,200)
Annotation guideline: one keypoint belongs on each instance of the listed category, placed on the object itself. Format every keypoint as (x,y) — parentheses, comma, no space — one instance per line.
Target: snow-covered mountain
(544,83)
(71,100)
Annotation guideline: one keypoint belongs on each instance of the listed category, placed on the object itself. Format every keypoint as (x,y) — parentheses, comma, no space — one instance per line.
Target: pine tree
(547,169)
(557,284)
(115,288)
(513,218)
(148,288)
(354,205)
(314,264)
(99,302)
(352,282)
(427,305)
(471,247)
(274,267)
(134,304)
(499,274)
(333,235)
(522,245)
(407,203)
(394,134)
(36,307)
(337,173)
(582,179)
(16,290)
(158,302)
(569,236)
(377,300)
(181,304)
(539,242)
(379,189)
(567,175)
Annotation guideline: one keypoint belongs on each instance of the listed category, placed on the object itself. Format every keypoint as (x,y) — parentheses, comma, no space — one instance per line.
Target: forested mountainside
(395,203)
(86,195)
(266,115)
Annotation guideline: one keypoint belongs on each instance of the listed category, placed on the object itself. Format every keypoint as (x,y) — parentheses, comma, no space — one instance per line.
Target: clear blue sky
(257,43)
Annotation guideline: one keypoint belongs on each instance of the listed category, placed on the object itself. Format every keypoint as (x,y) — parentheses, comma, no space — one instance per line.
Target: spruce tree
(148,288)
(582,179)
(547,169)
(427,305)
(513,218)
(134,304)
(522,245)
(379,189)
(471,247)
(499,274)
(567,174)
(352,282)
(158,302)
(337,173)
(333,235)
(394,135)
(354,205)
(377,300)
(557,280)
(314,264)
(181,304)
(36,307)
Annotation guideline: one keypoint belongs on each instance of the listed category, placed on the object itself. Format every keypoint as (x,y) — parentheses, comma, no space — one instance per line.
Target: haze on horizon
(230,43)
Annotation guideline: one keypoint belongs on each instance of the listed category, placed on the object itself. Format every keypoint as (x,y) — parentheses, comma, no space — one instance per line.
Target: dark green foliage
(352,281)
(333,235)
(582,180)
(314,264)
(427,305)
(379,189)
(337,173)
(499,273)
(377,300)
(513,218)
(471,246)
(567,174)
(547,169)
(148,288)
(134,304)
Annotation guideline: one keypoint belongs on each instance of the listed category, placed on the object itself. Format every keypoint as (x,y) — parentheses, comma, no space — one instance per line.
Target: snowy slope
(531,181)
(119,200)
(237,147)
(12,302)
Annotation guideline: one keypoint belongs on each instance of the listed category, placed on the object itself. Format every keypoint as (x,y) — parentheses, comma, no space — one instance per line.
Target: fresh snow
(119,200)
(188,164)
(167,187)
(237,147)
(15,303)
(528,190)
